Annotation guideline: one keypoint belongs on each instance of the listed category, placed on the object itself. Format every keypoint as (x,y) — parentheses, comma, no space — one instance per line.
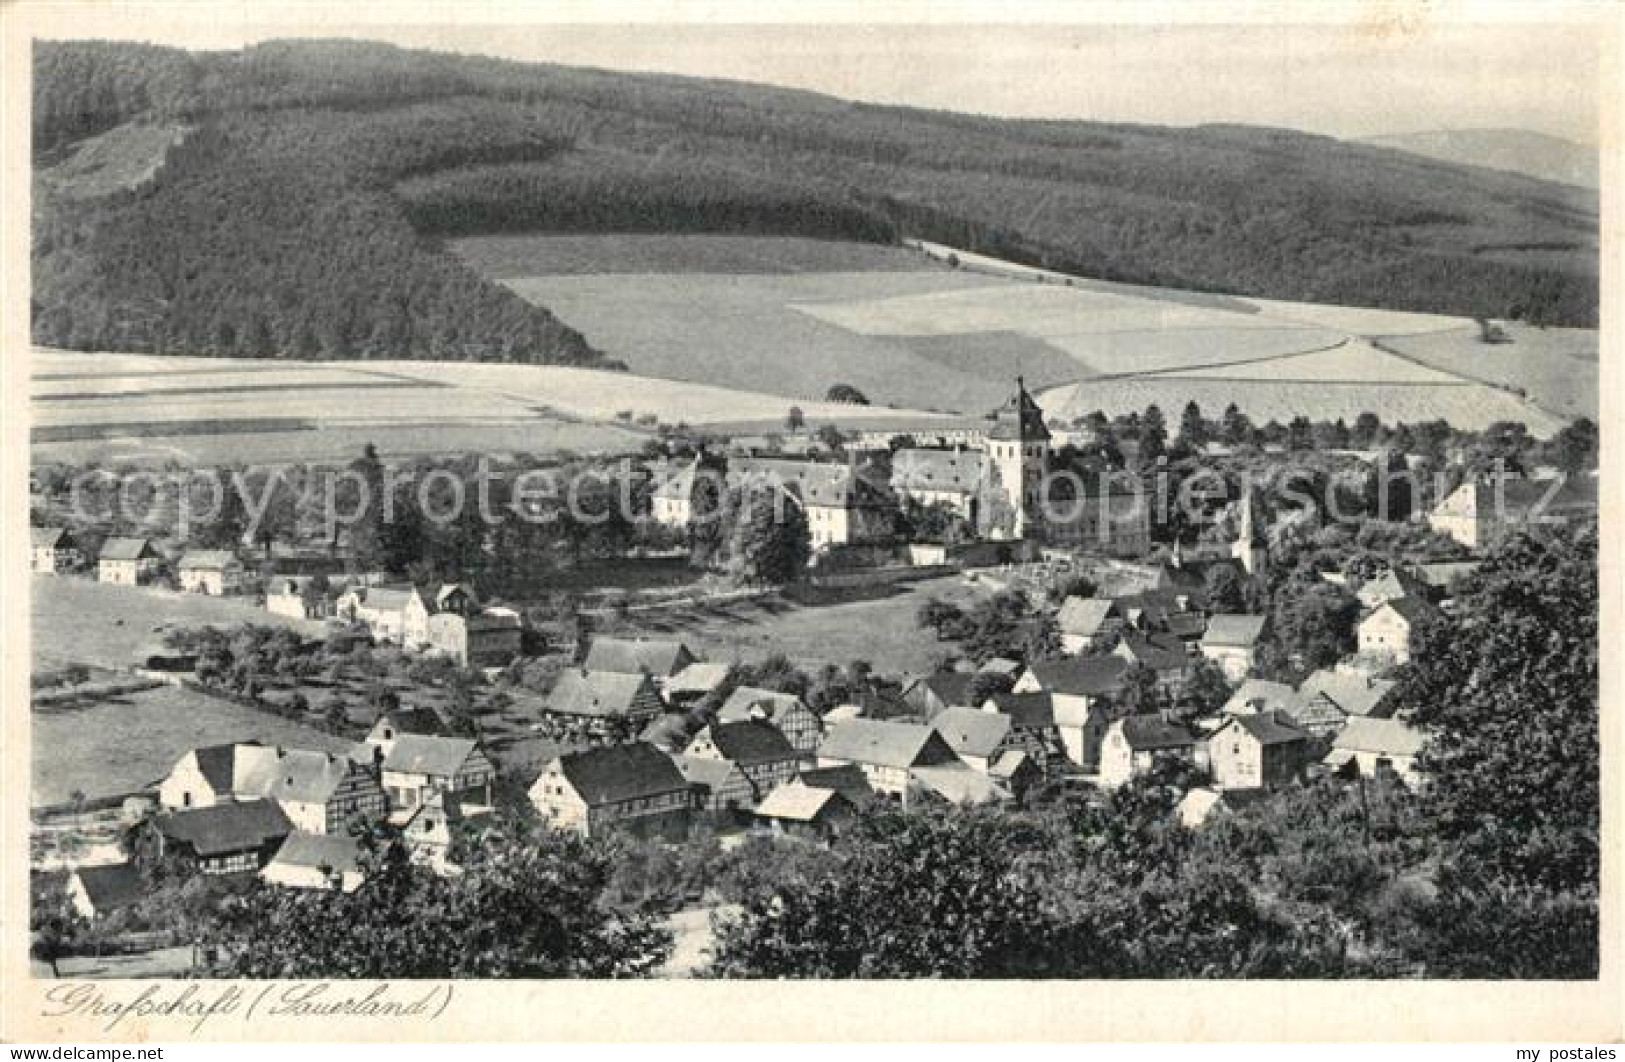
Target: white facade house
(215,572)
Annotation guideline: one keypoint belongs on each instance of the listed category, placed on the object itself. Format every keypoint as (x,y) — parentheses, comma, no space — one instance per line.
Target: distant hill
(291,199)
(1545,158)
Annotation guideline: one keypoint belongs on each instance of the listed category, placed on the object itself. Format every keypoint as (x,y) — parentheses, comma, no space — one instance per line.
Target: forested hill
(287,199)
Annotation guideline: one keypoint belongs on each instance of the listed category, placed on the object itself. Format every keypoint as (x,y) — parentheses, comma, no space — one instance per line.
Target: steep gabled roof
(1160,652)
(943,471)
(599,694)
(811,482)
(699,677)
(971,731)
(1267,728)
(1234,630)
(1411,609)
(711,773)
(309,777)
(958,784)
(611,774)
(1027,711)
(1353,693)
(633,656)
(799,803)
(111,885)
(1150,731)
(744,699)
(847,779)
(750,741)
(127,549)
(225,828)
(1388,737)
(340,854)
(1084,616)
(51,538)
(1080,676)
(418,720)
(950,687)
(429,754)
(212,560)
(884,744)
(1260,694)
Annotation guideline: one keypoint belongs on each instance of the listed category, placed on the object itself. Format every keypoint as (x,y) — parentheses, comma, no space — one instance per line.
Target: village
(1076,654)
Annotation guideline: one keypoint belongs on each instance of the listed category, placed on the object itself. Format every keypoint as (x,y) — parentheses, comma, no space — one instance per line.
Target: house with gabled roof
(380,609)
(128,561)
(1164,654)
(1079,689)
(1392,584)
(1368,747)
(1480,511)
(229,838)
(1134,744)
(720,786)
(671,502)
(887,752)
(598,697)
(53,550)
(806,812)
(842,504)
(931,693)
(436,829)
(99,891)
(316,861)
(763,754)
(633,787)
(210,571)
(950,478)
(800,725)
(420,719)
(1329,697)
(659,657)
(847,778)
(954,783)
(1260,695)
(1261,750)
(695,681)
(490,638)
(977,737)
(1385,634)
(320,792)
(1087,624)
(1232,643)
(419,765)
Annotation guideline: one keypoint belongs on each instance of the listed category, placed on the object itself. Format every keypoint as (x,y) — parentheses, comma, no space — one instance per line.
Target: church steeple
(1020,419)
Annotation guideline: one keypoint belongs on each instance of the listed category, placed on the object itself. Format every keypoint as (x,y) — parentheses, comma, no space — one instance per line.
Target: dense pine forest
(288,199)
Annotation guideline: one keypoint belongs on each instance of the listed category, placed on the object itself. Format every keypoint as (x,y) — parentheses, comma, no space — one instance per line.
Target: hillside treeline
(301,215)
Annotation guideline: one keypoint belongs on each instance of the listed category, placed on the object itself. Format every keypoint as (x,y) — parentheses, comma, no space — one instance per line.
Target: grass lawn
(78,620)
(881,631)
(122,745)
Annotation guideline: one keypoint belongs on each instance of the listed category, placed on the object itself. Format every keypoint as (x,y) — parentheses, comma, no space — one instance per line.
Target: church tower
(1018,448)
(1251,547)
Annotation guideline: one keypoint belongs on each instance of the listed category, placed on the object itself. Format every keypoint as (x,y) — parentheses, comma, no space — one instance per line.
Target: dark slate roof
(633,656)
(1027,711)
(613,773)
(1355,694)
(1158,652)
(796,803)
(111,886)
(420,720)
(1080,676)
(1268,729)
(51,538)
(339,854)
(1151,731)
(1412,609)
(750,741)
(847,779)
(217,764)
(208,560)
(226,828)
(1020,418)
(126,549)
(950,687)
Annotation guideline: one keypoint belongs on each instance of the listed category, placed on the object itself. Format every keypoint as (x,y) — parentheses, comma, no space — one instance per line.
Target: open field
(881,630)
(1467,406)
(152,409)
(507,257)
(123,745)
(78,620)
(953,338)
(1555,367)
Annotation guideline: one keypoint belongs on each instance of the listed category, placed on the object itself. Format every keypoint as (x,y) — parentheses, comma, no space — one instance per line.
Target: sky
(1376,74)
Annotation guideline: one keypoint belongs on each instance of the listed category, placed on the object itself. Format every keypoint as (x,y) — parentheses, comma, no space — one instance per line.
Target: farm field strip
(1471,406)
(1350,362)
(1359,320)
(506,257)
(136,391)
(1556,367)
